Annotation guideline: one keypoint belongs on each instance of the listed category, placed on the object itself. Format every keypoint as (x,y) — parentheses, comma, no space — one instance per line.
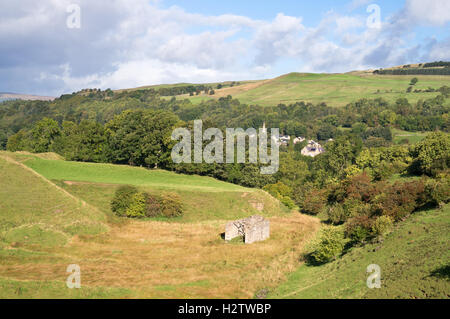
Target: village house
(312,149)
(284,140)
(298,140)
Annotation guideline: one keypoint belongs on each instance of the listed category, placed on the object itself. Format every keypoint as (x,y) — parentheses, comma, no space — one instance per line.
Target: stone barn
(253,229)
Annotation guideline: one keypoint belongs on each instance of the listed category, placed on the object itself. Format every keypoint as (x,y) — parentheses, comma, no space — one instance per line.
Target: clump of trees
(281,192)
(129,202)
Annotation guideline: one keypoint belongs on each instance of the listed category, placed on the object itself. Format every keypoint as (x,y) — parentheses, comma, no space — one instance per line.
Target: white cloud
(126,43)
(433,12)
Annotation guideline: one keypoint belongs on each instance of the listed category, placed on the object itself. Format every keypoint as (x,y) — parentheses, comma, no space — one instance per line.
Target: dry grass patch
(177,260)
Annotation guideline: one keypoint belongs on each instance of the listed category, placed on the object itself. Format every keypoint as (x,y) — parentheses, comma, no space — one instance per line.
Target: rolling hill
(16,96)
(333,89)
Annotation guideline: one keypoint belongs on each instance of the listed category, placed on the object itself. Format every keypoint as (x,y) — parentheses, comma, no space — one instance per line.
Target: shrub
(336,214)
(314,202)
(129,202)
(331,245)
(278,189)
(382,225)
(432,154)
(153,206)
(171,205)
(281,192)
(358,228)
(437,191)
(137,206)
(360,187)
(354,207)
(383,171)
(287,201)
(122,199)
(400,199)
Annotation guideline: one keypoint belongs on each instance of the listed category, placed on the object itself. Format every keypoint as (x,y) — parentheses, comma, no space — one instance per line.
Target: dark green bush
(354,207)
(122,199)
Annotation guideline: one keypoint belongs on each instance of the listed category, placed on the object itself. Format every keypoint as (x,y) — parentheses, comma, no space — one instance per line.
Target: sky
(51,47)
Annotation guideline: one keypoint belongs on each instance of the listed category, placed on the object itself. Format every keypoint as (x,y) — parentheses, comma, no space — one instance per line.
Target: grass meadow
(333,89)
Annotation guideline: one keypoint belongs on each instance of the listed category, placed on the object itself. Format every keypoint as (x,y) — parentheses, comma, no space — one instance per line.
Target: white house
(298,140)
(312,149)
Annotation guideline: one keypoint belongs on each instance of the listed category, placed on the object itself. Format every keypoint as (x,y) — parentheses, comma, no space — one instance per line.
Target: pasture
(333,89)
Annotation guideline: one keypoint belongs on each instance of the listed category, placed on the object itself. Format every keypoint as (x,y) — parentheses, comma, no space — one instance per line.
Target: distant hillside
(431,68)
(332,89)
(336,89)
(15,96)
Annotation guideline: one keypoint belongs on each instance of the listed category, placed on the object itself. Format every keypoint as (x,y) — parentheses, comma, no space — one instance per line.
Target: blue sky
(129,43)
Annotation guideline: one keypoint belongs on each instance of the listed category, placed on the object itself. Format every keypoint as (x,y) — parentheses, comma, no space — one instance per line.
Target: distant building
(312,149)
(284,140)
(299,140)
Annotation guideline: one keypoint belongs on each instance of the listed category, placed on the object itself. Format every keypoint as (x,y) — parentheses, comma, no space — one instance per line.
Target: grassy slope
(412,137)
(161,86)
(204,198)
(334,89)
(414,261)
(34,211)
(137,258)
(122,174)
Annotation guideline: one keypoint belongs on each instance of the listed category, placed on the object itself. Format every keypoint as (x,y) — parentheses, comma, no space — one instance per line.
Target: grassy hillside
(414,261)
(123,174)
(333,89)
(40,235)
(204,198)
(412,137)
(35,212)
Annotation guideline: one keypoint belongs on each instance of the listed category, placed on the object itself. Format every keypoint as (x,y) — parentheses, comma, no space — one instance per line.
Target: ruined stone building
(253,229)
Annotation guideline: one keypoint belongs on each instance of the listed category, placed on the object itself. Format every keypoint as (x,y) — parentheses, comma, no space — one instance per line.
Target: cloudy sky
(47,48)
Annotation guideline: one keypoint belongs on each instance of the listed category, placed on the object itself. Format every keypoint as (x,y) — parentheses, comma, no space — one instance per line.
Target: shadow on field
(442,272)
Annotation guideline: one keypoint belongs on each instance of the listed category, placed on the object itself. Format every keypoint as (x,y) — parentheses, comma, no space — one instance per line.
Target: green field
(412,137)
(333,89)
(96,184)
(36,212)
(414,262)
(123,174)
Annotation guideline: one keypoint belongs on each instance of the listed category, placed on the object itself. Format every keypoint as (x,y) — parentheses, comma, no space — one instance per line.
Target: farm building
(253,229)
